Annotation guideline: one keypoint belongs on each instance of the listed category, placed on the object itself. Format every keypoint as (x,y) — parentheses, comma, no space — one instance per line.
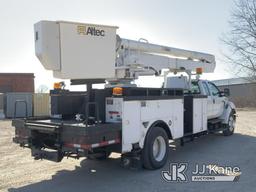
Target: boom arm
(142,58)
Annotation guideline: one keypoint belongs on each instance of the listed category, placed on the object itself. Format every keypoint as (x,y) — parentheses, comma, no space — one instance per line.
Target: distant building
(15,86)
(242,92)
(17,82)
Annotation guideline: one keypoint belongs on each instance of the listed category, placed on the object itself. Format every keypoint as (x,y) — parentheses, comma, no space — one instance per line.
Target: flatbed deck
(64,136)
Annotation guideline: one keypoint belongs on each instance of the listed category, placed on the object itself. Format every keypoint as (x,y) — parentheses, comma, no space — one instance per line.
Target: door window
(213,89)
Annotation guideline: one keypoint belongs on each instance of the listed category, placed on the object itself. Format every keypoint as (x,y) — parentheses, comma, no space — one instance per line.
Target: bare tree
(42,89)
(241,39)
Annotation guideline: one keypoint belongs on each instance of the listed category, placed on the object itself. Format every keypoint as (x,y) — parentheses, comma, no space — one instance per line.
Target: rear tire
(156,148)
(231,125)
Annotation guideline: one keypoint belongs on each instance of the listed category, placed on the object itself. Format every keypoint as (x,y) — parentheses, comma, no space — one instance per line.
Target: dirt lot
(19,172)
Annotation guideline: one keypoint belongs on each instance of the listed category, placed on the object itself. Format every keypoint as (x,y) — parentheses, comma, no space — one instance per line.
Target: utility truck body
(134,121)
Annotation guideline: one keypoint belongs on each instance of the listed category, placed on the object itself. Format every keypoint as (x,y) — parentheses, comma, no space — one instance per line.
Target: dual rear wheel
(156,148)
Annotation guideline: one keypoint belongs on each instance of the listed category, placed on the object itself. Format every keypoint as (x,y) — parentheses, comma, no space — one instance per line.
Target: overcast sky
(187,24)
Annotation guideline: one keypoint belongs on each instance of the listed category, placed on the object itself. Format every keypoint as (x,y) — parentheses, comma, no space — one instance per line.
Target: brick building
(17,82)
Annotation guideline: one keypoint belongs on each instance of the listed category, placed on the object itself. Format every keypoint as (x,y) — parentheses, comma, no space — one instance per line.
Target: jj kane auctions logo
(178,173)
(93,31)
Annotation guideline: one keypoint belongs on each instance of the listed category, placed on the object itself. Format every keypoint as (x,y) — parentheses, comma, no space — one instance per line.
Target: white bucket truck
(134,121)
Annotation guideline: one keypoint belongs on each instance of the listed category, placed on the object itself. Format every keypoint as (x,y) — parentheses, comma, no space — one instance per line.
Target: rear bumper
(54,155)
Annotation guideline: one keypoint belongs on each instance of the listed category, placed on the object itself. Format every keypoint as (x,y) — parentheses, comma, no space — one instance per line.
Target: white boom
(88,51)
(142,58)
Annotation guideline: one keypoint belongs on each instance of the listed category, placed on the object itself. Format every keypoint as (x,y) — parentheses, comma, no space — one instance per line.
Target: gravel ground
(19,172)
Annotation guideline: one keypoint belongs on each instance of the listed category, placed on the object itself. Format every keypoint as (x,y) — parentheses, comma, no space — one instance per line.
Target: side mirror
(226,92)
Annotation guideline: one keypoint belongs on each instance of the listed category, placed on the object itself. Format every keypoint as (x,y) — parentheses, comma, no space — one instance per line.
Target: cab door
(217,100)
(210,104)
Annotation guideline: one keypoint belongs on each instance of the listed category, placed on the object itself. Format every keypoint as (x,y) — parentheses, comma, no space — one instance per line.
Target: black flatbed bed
(64,136)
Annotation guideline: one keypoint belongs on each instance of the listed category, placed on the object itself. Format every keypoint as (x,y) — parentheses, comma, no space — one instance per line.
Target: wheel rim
(159,148)
(231,123)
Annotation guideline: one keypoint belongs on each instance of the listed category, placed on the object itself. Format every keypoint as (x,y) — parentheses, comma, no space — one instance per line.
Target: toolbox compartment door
(131,132)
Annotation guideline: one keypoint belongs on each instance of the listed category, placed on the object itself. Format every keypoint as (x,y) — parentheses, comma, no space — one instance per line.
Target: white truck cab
(216,100)
(218,105)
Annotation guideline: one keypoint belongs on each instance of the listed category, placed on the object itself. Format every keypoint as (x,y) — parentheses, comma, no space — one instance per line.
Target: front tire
(156,148)
(231,125)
